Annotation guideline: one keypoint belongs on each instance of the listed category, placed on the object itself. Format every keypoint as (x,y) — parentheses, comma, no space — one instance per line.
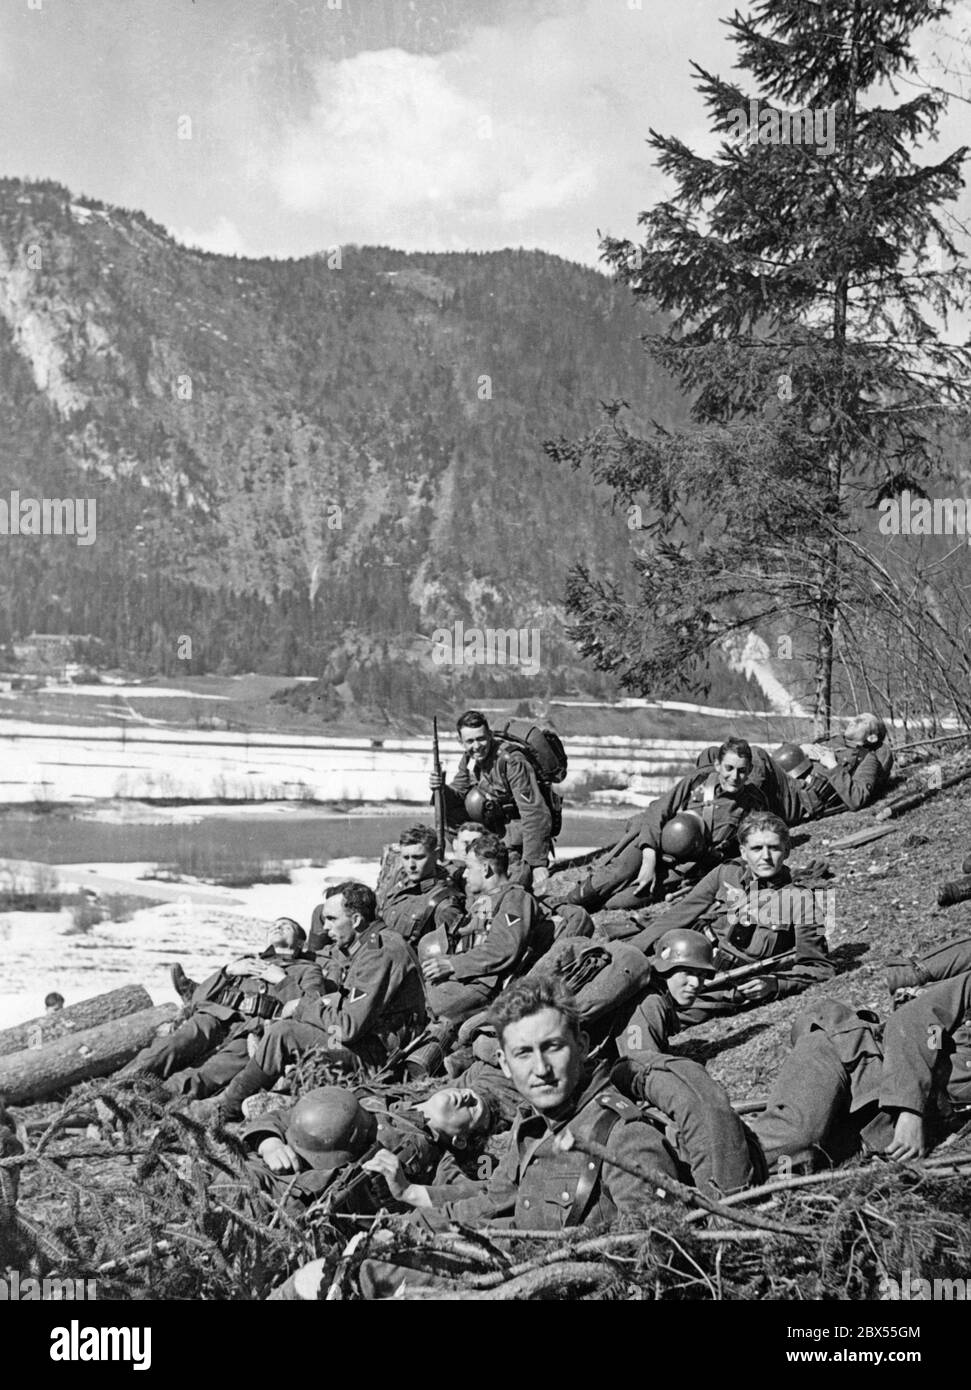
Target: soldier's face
(478,874)
(476,742)
(733,772)
(416,863)
(281,935)
(857,732)
(340,926)
(683,986)
(454,1113)
(543,1058)
(765,853)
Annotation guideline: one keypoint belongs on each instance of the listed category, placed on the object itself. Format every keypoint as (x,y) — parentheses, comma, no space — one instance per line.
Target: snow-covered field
(41,953)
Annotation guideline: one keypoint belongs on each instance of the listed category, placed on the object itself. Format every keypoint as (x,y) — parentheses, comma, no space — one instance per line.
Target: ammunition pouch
(262,1005)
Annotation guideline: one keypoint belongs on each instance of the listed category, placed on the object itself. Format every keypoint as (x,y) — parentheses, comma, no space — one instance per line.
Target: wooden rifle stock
(740,973)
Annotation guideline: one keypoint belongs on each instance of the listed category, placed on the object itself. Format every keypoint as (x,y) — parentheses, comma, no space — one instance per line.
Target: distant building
(48,652)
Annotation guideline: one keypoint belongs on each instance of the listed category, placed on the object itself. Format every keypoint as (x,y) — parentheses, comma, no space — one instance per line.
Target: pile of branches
(157,1206)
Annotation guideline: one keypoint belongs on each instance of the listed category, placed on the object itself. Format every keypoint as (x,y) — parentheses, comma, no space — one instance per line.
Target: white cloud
(223,238)
(530,133)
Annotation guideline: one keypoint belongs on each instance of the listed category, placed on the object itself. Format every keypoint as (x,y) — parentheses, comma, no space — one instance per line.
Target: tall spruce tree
(808,269)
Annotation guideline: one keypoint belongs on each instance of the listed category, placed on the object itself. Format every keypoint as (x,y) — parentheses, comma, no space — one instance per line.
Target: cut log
(863,837)
(911,800)
(87,1013)
(388,872)
(37,1073)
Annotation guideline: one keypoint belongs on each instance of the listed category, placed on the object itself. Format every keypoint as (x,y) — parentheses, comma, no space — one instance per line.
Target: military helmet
(683,836)
(477,806)
(792,759)
(328,1127)
(680,949)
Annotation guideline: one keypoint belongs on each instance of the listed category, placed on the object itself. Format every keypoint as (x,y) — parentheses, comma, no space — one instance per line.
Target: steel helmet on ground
(681,949)
(792,759)
(683,836)
(328,1127)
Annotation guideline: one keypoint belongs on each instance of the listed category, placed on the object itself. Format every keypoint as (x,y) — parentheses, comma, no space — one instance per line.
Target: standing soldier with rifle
(506,784)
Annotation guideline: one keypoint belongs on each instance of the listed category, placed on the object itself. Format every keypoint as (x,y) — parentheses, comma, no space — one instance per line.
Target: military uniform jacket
(511,925)
(415,910)
(232,997)
(750,920)
(507,778)
(649,1026)
(923,1052)
(927,1047)
(857,779)
(375,1000)
(536,1188)
(781,792)
(722,815)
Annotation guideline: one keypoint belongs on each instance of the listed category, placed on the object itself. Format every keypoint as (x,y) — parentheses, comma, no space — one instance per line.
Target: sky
(284,127)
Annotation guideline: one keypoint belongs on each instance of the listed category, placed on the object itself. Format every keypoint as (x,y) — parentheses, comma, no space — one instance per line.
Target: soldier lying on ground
(422,895)
(842,774)
(228,1009)
(506,932)
(300,1153)
(497,785)
(373,1002)
(542,1183)
(751,909)
(852,1083)
(679,838)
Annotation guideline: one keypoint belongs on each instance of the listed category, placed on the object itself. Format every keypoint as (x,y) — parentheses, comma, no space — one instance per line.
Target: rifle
(728,978)
(439,796)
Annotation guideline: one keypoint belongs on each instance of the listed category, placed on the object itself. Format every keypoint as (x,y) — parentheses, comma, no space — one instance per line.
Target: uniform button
(591,1165)
(526,1202)
(566,1196)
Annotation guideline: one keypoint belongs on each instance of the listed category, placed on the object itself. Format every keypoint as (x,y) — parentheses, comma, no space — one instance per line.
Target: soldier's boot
(183,986)
(243,1085)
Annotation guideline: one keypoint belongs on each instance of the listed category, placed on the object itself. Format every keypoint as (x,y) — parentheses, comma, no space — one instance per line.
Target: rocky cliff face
(308,465)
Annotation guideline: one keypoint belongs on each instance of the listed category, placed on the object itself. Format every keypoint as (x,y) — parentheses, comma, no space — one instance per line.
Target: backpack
(543,747)
(547,757)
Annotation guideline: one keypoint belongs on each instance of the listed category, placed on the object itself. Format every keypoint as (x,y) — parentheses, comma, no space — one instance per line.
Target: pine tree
(808,281)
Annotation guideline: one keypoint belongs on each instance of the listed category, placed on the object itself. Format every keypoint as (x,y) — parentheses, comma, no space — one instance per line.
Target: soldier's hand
(437,968)
(541,880)
(908,1137)
(246,965)
(388,1166)
(753,990)
(290,1008)
(827,758)
(278,1156)
(436,780)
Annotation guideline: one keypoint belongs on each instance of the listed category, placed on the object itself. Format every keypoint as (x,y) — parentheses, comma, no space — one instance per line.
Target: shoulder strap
(590,1176)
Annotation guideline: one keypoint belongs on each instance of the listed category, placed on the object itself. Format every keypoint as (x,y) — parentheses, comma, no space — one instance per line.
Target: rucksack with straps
(547,757)
(543,747)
